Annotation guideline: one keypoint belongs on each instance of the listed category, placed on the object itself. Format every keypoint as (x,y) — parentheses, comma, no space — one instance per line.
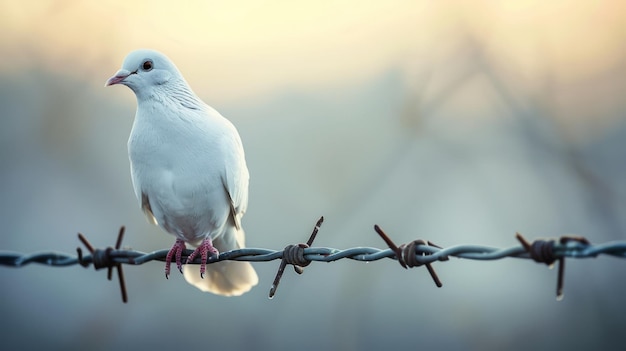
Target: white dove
(188,170)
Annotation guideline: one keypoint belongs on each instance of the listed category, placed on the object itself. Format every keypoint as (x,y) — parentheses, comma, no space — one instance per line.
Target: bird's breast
(180,175)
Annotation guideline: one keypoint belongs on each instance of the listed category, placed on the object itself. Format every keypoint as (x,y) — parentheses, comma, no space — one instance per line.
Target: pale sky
(235,49)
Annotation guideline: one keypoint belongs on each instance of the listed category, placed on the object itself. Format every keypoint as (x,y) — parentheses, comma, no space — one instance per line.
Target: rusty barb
(407,254)
(294,255)
(542,251)
(412,254)
(102,259)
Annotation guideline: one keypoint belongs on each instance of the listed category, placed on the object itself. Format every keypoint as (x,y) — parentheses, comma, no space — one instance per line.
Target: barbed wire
(409,255)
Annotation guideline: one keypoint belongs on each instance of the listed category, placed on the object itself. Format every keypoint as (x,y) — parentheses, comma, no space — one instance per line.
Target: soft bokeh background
(454,121)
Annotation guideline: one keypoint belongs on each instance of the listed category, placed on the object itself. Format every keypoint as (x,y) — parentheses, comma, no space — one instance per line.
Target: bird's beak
(118,77)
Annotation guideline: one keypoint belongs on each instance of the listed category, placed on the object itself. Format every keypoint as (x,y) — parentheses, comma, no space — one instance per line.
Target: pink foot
(178,248)
(205,247)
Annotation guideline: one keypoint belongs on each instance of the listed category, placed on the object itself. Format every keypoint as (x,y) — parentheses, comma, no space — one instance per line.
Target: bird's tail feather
(228,278)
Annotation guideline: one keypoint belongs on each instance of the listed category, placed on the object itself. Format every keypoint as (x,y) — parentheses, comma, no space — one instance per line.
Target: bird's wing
(147,209)
(145,200)
(235,179)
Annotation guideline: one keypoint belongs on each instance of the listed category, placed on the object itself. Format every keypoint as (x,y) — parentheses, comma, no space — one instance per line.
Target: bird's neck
(175,93)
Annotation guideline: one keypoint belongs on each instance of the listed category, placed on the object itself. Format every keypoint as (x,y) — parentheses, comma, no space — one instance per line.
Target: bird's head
(143,70)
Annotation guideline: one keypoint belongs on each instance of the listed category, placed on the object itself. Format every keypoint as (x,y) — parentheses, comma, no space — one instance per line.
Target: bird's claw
(176,250)
(205,247)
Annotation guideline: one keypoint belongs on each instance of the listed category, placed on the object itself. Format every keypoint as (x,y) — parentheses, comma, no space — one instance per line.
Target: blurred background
(460,122)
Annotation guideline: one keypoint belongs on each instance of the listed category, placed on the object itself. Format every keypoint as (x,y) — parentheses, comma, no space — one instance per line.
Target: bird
(188,171)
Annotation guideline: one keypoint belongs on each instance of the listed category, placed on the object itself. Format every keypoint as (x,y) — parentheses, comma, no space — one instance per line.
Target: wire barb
(406,254)
(542,251)
(294,255)
(103,259)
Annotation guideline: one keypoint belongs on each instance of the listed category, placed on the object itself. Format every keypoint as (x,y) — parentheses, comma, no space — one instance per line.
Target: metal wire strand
(412,254)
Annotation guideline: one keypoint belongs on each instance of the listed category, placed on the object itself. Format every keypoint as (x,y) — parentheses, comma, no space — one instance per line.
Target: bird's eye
(147,65)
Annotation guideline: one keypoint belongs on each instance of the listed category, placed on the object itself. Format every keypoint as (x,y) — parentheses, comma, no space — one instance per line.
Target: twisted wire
(413,254)
(424,254)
